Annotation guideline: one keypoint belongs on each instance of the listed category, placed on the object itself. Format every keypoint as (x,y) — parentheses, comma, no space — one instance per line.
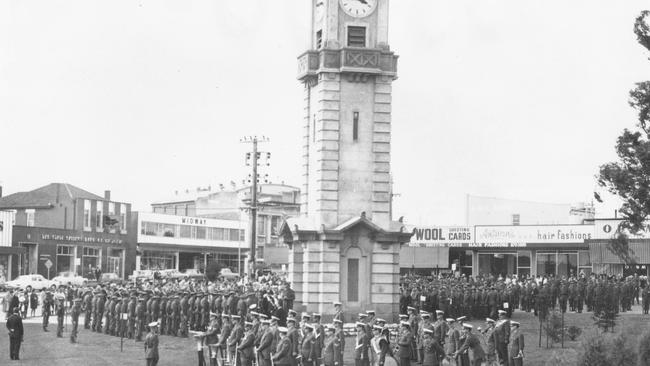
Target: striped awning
(639,251)
(417,257)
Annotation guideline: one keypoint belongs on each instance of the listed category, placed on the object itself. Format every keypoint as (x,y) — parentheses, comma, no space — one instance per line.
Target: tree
(212,271)
(629,177)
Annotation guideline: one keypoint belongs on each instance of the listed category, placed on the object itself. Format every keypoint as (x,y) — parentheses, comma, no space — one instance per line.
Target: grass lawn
(43,348)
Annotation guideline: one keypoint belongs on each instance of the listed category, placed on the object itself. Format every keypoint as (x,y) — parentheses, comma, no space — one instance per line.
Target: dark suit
(15,327)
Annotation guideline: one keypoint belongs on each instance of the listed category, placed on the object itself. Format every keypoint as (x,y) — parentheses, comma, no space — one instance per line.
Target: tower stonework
(344,246)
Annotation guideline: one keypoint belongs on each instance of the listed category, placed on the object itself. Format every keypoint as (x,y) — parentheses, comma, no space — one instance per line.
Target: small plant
(594,350)
(573,332)
(553,327)
(557,359)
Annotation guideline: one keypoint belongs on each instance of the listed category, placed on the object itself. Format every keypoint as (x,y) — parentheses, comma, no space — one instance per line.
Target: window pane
(523,259)
(186,231)
(567,264)
(584,258)
(200,232)
(234,235)
(546,263)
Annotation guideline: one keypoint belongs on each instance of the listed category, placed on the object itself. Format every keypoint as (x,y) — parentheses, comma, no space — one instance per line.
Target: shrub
(623,351)
(644,350)
(557,359)
(594,351)
(553,327)
(573,332)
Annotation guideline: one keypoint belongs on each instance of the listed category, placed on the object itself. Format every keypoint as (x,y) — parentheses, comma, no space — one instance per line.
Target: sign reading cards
(534,234)
(440,236)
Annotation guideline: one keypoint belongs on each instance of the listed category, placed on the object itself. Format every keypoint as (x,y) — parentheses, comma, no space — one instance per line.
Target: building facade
(184,242)
(9,256)
(275,203)
(63,228)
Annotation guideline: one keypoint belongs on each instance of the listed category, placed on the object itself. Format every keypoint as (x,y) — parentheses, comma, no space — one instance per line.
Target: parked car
(143,274)
(227,274)
(193,273)
(36,281)
(110,278)
(69,278)
(172,274)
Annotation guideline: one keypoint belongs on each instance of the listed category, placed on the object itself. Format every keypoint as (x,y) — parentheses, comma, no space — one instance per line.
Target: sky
(515,99)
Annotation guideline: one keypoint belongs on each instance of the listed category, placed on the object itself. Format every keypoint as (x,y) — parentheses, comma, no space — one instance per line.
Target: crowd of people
(246,322)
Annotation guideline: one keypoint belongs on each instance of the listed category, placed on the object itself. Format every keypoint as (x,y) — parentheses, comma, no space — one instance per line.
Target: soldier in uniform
(282,355)
(265,345)
(226,328)
(440,328)
(331,351)
(151,345)
(109,314)
(130,309)
(471,343)
(169,316)
(140,318)
(16,333)
(453,336)
(433,352)
(293,334)
(247,345)
(308,347)
(338,311)
(319,337)
(502,334)
(425,323)
(74,313)
(60,314)
(404,343)
(490,341)
(563,295)
(212,337)
(516,346)
(183,314)
(235,336)
(645,299)
(162,315)
(205,312)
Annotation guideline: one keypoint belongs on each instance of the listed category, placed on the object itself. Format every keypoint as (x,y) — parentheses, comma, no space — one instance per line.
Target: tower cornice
(369,61)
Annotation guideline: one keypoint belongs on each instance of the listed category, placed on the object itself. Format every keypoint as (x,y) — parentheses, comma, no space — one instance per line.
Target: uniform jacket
(432,352)
(307,348)
(15,326)
(516,343)
(331,351)
(282,356)
(404,343)
(293,335)
(247,344)
(266,345)
(236,334)
(473,344)
(151,346)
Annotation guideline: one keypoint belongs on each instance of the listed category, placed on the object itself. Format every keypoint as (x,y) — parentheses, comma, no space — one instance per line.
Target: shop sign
(551,234)
(440,236)
(81,239)
(607,229)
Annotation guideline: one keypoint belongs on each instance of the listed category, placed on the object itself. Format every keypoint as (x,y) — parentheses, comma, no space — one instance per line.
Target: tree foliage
(629,177)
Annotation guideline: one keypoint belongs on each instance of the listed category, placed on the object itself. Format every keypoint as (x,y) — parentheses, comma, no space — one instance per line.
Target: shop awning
(416,257)
(13,250)
(639,251)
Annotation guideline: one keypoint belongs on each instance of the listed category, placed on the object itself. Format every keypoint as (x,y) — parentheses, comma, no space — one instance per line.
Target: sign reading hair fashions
(533,234)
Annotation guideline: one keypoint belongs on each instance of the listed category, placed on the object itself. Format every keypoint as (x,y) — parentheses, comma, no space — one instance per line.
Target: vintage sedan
(69,278)
(35,281)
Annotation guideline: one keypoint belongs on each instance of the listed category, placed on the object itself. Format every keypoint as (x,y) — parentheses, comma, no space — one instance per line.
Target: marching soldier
(74,313)
(16,333)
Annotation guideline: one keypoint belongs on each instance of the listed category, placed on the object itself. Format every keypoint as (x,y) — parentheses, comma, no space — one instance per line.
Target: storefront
(635,261)
(9,255)
(51,251)
(182,243)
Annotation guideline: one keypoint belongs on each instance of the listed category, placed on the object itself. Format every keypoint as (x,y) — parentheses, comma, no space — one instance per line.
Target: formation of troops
(481,297)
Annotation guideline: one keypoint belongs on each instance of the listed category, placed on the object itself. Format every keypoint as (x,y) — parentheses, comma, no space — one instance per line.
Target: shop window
(186,231)
(169,230)
(152,260)
(546,264)
(567,264)
(234,234)
(90,260)
(200,232)
(65,258)
(523,263)
(497,264)
(217,233)
(30,213)
(584,263)
(99,216)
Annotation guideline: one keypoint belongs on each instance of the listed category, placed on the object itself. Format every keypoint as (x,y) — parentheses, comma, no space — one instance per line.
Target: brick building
(60,227)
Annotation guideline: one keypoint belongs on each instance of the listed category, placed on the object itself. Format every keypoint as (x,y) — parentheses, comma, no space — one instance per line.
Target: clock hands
(363,1)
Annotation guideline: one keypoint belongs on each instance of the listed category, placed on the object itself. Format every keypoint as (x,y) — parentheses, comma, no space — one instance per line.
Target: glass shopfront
(65,255)
(563,263)
(498,264)
(155,260)
(90,260)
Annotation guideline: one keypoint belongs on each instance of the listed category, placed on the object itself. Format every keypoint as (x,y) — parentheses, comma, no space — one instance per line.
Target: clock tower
(345,247)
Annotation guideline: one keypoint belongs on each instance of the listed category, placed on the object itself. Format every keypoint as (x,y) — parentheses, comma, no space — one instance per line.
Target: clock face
(358,8)
(320,10)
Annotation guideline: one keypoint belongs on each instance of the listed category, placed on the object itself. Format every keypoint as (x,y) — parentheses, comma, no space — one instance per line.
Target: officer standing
(76,311)
(404,343)
(265,345)
(282,356)
(88,304)
(47,309)
(151,345)
(16,333)
(245,349)
(516,347)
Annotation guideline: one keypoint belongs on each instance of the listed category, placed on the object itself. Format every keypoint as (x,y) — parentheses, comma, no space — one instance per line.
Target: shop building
(61,228)
(184,242)
(606,261)
(275,203)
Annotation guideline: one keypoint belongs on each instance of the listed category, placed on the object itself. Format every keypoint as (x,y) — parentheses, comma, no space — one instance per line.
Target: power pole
(253,205)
